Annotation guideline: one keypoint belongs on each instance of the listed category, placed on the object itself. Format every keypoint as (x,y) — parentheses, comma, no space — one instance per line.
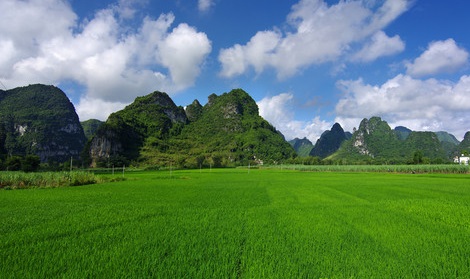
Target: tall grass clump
(21,180)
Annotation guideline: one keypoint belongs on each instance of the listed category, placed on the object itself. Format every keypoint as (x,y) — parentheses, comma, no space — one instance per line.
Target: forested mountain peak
(236,102)
(194,111)
(153,130)
(125,132)
(375,142)
(39,119)
(329,142)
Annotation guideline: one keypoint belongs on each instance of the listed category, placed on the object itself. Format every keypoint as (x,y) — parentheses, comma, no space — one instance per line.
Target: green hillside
(464,146)
(374,142)
(153,131)
(329,142)
(302,146)
(40,120)
(90,127)
(149,120)
(227,131)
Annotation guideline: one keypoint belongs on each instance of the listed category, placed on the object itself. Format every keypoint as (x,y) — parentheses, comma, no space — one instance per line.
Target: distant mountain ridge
(227,131)
(302,146)
(375,142)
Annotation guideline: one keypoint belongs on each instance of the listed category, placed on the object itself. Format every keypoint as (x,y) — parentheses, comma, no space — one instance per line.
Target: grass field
(239,224)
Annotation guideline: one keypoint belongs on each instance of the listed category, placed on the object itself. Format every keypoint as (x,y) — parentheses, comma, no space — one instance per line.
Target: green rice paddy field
(241,224)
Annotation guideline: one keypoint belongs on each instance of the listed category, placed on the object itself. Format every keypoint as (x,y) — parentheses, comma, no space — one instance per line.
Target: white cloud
(379,45)
(430,105)
(113,62)
(89,108)
(440,57)
(205,5)
(278,110)
(321,34)
(183,47)
(127,9)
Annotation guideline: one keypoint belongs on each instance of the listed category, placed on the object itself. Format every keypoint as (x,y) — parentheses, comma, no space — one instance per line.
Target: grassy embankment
(235,223)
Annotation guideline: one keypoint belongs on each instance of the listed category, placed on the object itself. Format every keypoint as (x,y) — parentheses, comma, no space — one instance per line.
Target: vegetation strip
(448,168)
(21,180)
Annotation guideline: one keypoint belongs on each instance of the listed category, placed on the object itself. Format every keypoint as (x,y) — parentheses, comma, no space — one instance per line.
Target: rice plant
(232,223)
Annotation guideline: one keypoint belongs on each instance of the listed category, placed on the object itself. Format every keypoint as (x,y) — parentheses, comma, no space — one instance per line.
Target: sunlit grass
(241,224)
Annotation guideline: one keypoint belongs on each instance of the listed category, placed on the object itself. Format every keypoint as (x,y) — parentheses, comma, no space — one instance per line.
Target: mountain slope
(427,143)
(121,137)
(402,132)
(41,120)
(231,130)
(227,131)
(329,142)
(90,127)
(302,146)
(464,146)
(375,142)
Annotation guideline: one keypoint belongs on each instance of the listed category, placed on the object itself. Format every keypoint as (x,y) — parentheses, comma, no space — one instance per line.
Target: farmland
(237,223)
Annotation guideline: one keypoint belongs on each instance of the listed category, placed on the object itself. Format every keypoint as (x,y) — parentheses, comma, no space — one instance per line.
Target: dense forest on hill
(227,131)
(39,120)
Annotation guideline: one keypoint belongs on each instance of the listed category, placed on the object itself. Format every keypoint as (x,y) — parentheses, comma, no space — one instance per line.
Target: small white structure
(463,160)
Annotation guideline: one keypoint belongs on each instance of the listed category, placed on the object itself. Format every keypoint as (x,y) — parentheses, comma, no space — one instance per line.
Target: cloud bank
(319,33)
(113,62)
(423,105)
(406,100)
(278,110)
(429,104)
(440,57)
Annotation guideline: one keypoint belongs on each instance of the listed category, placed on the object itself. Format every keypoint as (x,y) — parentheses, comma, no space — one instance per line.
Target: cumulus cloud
(96,108)
(321,33)
(379,45)
(440,57)
(112,62)
(182,48)
(429,105)
(279,111)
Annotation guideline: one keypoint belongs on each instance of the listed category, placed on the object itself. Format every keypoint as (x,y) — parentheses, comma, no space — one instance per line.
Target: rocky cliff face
(40,119)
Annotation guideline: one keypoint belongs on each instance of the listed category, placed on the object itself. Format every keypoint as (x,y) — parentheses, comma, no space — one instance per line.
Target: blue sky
(307,63)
